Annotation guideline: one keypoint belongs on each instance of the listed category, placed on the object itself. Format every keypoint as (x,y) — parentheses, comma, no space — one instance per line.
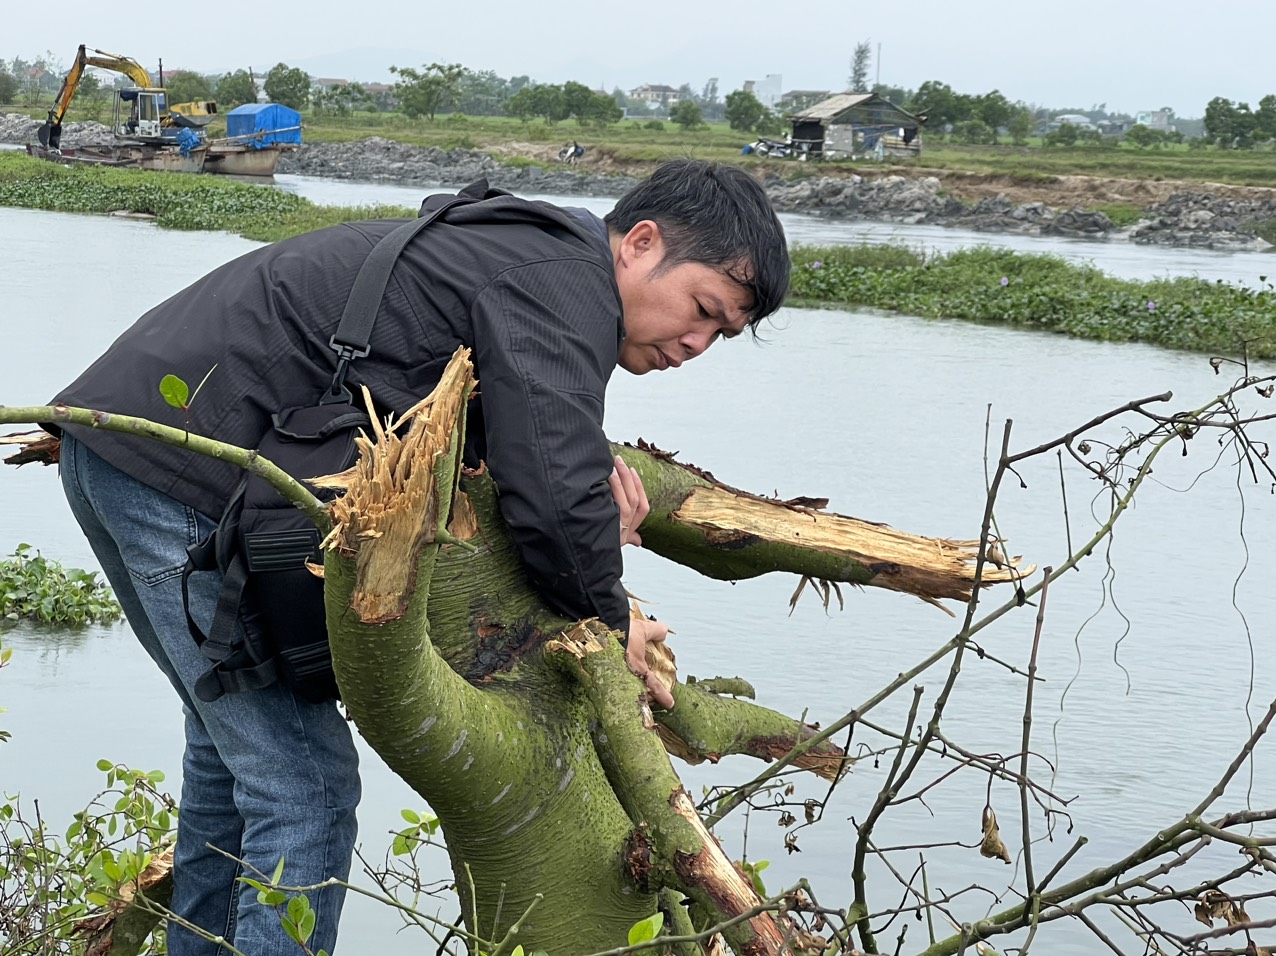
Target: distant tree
(744,111)
(1264,118)
(578,101)
(941,105)
(519,82)
(974,132)
(425,91)
(543,100)
(341,100)
(686,113)
(1142,137)
(8,87)
(994,110)
(893,94)
(522,105)
(769,123)
(1021,124)
(861,59)
(1244,125)
(235,89)
(711,105)
(482,93)
(1220,118)
(604,111)
(1065,135)
(551,104)
(288,86)
(92,96)
(184,87)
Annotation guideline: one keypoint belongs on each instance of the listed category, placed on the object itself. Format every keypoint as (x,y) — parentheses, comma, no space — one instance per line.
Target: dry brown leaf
(1215,904)
(992,845)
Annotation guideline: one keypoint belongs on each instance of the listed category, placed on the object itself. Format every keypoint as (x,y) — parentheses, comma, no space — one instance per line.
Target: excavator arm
(50,134)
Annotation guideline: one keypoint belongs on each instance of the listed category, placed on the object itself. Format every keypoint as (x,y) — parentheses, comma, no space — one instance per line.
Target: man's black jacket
(529,287)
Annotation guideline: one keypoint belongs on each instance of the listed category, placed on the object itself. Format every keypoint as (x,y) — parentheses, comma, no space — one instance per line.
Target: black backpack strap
(220,644)
(229,676)
(350,341)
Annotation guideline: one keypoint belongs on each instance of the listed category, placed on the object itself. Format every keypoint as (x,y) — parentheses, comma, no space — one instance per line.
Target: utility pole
(878,82)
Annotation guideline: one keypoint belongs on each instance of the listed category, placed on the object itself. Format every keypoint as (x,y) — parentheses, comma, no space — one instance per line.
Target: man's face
(672,315)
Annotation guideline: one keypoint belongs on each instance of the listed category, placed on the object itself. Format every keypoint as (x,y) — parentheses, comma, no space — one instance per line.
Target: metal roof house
(857,126)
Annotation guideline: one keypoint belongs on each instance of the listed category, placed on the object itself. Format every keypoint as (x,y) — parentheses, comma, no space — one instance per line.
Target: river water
(1154,655)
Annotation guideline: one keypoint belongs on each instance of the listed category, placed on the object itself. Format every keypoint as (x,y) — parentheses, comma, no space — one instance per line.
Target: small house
(655,94)
(857,126)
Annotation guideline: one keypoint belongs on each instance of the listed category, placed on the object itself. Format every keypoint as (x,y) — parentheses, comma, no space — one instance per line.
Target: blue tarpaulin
(275,123)
(187,140)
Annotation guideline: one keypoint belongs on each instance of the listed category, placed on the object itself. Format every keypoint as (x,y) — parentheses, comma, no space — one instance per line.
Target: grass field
(631,145)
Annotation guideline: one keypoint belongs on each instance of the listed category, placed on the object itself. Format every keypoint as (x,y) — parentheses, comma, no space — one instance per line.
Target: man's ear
(643,240)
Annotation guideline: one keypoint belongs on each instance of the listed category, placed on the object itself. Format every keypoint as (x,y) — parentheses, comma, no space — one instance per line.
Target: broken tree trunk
(730,534)
(524,731)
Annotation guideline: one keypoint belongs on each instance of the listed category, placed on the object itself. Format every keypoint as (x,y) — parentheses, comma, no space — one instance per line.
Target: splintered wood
(390,508)
(930,568)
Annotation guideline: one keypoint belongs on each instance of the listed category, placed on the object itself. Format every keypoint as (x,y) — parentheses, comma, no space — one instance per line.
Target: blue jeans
(265,775)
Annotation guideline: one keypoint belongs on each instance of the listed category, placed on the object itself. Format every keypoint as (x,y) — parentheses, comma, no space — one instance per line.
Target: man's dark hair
(717,215)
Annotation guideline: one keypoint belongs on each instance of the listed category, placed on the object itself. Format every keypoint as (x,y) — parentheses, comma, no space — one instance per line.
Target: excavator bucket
(49,134)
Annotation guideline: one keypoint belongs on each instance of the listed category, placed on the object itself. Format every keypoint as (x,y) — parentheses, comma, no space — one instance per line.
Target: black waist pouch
(261,547)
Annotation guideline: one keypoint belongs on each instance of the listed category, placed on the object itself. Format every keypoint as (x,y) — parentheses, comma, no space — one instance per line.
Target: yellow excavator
(148,115)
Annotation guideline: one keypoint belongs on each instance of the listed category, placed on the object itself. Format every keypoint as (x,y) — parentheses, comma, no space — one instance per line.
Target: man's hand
(641,632)
(631,499)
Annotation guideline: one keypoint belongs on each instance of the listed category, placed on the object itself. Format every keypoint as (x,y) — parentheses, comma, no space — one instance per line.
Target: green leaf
(279,871)
(272,898)
(646,930)
(104,765)
(307,925)
(411,816)
(175,391)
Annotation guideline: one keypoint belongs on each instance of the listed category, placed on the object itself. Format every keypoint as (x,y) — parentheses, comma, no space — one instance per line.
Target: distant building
(327,84)
(855,126)
(655,94)
(796,100)
(768,91)
(1079,120)
(1156,119)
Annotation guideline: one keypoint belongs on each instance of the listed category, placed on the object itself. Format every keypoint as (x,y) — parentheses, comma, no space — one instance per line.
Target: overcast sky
(1129,54)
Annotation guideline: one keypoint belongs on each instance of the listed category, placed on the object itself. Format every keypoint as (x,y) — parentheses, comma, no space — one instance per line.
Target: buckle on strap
(337,391)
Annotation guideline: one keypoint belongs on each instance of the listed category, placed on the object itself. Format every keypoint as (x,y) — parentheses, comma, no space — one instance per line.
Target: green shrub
(35,588)
(1265,230)
(1122,213)
(177,201)
(1048,293)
